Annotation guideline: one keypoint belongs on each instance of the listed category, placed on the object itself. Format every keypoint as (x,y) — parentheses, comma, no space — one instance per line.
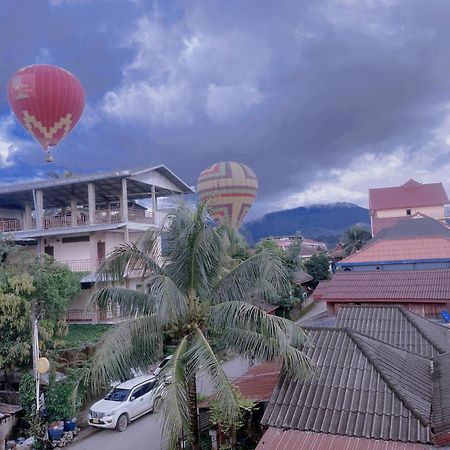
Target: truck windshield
(118,395)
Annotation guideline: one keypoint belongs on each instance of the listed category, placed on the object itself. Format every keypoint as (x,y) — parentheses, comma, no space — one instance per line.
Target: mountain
(321,222)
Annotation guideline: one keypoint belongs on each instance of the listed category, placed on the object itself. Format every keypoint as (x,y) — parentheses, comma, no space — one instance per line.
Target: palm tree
(197,291)
(354,239)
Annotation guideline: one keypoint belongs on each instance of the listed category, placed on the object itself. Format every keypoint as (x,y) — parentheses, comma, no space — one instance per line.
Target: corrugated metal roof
(278,439)
(411,194)
(396,326)
(432,285)
(363,388)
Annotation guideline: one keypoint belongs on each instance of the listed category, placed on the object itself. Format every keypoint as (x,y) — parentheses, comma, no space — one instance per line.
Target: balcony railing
(65,220)
(82,265)
(91,315)
(10,225)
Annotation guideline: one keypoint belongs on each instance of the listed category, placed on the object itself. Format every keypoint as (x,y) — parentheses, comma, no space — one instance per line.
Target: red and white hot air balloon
(48,101)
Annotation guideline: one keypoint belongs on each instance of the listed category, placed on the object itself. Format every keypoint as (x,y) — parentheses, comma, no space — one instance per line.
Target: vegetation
(318,267)
(197,291)
(23,280)
(354,239)
(84,334)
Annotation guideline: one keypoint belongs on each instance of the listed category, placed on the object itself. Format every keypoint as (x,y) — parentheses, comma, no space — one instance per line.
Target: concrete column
(124,210)
(93,252)
(39,209)
(74,212)
(124,201)
(91,203)
(28,217)
(154,204)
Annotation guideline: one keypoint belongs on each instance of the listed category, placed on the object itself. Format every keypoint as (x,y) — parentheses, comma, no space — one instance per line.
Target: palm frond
(202,358)
(128,302)
(169,302)
(262,273)
(133,344)
(175,404)
(256,334)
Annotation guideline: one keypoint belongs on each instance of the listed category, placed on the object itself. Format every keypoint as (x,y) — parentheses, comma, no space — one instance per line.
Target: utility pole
(35,347)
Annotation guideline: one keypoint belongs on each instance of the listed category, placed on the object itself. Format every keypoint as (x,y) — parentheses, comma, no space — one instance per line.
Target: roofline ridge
(422,332)
(385,377)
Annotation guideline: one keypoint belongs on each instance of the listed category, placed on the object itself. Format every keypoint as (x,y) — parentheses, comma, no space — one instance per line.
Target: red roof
(258,383)
(431,285)
(279,439)
(437,247)
(410,194)
(379,224)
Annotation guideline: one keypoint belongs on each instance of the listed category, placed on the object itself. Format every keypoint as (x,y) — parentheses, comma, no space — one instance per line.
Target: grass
(82,334)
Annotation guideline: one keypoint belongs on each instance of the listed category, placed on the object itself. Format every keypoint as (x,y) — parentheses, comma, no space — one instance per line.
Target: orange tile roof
(403,250)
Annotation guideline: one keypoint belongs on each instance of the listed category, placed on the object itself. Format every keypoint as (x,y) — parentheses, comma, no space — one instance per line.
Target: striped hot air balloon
(47,101)
(230,189)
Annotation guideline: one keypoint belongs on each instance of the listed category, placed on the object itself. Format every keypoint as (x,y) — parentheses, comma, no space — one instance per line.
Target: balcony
(82,265)
(92,315)
(62,220)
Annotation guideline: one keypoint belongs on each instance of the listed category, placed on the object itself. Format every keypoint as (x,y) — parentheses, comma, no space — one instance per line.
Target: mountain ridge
(325,222)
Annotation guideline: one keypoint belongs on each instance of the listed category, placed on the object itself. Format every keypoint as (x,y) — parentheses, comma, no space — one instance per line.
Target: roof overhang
(60,192)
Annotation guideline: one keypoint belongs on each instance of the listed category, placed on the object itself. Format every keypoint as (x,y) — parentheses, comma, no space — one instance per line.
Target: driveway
(145,433)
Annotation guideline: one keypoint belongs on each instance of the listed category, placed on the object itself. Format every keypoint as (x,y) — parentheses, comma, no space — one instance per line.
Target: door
(142,399)
(49,250)
(100,251)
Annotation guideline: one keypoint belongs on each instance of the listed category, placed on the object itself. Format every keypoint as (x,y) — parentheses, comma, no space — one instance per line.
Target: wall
(424,309)
(397,266)
(6,213)
(437,212)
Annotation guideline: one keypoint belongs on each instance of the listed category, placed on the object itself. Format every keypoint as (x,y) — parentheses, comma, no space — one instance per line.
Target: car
(125,403)
(161,365)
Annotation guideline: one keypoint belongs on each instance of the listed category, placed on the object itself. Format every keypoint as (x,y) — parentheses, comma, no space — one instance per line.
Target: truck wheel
(122,423)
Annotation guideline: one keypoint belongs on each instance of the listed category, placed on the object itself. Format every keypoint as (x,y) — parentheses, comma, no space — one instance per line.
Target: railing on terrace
(82,265)
(91,315)
(65,220)
(10,225)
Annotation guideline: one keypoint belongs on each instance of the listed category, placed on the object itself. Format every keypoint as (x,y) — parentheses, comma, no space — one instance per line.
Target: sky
(323,99)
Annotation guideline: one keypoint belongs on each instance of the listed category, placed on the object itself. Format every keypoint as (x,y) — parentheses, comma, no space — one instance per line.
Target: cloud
(9,144)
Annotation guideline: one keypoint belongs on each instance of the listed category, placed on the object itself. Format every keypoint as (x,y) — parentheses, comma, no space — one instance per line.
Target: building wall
(6,213)
(424,309)
(437,212)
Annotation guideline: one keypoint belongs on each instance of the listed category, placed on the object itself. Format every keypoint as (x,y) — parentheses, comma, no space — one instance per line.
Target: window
(408,212)
(118,395)
(142,390)
(71,239)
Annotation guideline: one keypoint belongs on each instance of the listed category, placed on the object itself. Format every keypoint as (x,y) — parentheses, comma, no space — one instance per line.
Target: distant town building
(309,246)
(79,220)
(388,205)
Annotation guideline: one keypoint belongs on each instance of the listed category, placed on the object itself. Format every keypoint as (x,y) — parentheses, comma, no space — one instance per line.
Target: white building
(80,219)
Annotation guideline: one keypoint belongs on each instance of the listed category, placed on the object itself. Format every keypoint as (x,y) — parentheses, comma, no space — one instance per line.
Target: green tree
(196,291)
(22,280)
(318,267)
(354,239)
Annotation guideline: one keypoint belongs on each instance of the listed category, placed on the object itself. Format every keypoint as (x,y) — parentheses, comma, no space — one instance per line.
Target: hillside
(322,222)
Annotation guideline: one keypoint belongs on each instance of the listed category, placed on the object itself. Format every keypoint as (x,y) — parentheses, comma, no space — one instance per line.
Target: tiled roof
(414,227)
(410,194)
(379,224)
(396,326)
(279,439)
(440,419)
(300,277)
(258,383)
(402,250)
(363,388)
(432,285)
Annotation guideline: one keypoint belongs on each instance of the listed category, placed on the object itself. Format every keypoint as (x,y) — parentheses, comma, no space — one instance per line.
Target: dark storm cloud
(289,88)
